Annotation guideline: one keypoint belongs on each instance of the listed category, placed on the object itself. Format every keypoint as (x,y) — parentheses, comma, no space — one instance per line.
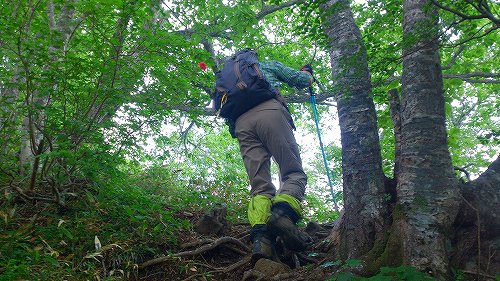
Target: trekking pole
(316,120)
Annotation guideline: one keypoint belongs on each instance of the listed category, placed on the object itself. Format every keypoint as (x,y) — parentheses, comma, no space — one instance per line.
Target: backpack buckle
(223,101)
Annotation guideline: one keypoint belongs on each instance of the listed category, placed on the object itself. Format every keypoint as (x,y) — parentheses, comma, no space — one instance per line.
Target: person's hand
(307,68)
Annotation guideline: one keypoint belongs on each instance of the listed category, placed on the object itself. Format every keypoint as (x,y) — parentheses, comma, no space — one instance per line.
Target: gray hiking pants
(263,132)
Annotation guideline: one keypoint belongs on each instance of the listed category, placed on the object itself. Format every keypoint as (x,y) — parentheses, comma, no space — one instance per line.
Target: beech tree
(418,227)
(363,179)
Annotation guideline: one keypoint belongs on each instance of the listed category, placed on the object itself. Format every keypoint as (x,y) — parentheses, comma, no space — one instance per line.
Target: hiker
(259,118)
(266,131)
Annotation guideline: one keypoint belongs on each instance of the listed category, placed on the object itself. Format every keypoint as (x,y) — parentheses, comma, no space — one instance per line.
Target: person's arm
(294,78)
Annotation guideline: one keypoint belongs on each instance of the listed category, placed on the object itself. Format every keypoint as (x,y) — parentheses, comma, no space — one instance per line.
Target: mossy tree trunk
(363,181)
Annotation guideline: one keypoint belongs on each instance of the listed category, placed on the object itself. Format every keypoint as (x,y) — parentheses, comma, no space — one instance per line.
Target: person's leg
(256,159)
(259,211)
(277,136)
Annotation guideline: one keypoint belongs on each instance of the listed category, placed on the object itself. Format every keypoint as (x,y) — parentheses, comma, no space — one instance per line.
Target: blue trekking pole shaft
(316,120)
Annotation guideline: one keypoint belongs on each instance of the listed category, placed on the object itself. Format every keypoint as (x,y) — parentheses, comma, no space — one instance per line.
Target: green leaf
(66,232)
(344,276)
(331,263)
(353,263)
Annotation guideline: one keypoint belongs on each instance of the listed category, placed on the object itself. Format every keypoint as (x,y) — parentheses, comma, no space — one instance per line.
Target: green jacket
(277,73)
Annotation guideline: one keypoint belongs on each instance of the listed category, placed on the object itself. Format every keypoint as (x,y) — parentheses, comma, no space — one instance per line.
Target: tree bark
(35,121)
(363,181)
(427,186)
(477,225)
(485,188)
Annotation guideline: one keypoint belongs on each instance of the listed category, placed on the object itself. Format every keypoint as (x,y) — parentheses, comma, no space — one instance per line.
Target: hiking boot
(262,245)
(283,222)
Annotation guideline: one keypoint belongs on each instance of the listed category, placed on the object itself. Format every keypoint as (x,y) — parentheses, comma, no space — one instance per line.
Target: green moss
(388,250)
(373,257)
(421,201)
(397,213)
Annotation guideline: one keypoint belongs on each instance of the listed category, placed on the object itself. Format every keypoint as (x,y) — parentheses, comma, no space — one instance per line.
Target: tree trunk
(477,226)
(9,112)
(427,187)
(37,100)
(363,181)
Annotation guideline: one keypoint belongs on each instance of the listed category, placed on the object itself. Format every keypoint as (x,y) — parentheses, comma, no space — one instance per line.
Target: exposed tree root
(237,265)
(215,244)
(228,269)
(197,243)
(228,257)
(479,274)
(234,249)
(199,250)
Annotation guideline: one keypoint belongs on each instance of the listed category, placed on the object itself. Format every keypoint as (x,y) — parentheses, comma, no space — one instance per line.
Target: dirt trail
(217,250)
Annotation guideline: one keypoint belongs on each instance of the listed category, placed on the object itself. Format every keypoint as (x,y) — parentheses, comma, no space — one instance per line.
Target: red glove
(203,66)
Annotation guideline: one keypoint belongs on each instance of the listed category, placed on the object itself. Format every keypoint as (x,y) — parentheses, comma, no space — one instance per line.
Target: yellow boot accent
(259,210)
(292,201)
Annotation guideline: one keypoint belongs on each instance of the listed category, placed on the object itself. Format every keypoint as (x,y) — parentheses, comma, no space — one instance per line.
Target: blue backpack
(240,85)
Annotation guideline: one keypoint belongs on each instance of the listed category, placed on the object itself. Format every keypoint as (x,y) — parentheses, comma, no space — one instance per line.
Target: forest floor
(123,235)
(40,242)
(216,250)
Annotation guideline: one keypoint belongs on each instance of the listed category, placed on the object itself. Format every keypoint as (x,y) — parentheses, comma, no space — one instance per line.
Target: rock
(271,268)
(212,222)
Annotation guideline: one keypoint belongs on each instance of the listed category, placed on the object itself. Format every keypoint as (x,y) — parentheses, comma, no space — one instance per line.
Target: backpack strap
(223,99)
(258,71)
(240,84)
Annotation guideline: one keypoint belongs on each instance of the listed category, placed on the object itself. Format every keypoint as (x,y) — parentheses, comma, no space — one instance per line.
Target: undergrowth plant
(113,226)
(346,271)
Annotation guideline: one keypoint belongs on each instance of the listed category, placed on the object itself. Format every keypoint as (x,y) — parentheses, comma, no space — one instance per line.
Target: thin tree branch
(467,77)
(477,81)
(266,10)
(454,57)
(458,13)
(473,74)
(488,31)
(472,77)
(463,170)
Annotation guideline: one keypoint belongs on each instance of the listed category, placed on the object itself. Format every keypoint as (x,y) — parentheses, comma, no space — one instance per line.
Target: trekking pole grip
(311,92)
